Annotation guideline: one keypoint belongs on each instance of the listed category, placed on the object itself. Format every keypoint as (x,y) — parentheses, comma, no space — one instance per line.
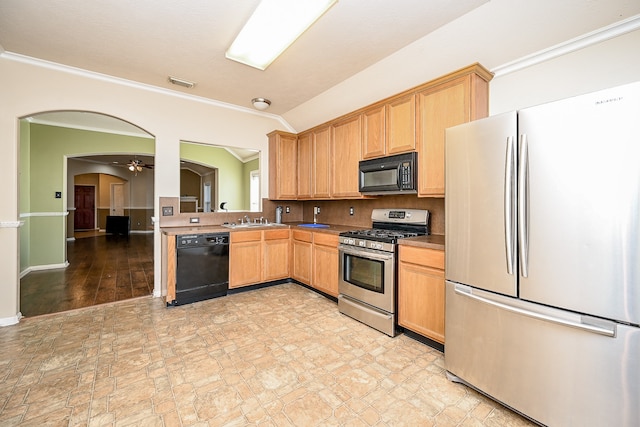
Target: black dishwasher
(202,268)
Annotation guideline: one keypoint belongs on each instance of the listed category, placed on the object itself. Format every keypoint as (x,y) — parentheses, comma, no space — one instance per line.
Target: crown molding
(137,85)
(589,39)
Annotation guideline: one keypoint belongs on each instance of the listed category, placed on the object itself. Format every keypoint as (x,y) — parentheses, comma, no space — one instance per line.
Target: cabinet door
(305,157)
(458,101)
(245,258)
(347,141)
(401,125)
(275,250)
(373,133)
(421,290)
(301,248)
(283,166)
(322,163)
(325,263)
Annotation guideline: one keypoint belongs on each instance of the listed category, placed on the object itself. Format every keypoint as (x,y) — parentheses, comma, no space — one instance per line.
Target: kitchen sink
(252,225)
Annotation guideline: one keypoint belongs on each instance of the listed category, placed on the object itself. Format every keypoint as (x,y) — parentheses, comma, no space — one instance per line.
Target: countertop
(434,241)
(192,229)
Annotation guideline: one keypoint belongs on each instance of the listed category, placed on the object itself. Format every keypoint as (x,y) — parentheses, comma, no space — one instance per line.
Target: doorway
(85,204)
(56,142)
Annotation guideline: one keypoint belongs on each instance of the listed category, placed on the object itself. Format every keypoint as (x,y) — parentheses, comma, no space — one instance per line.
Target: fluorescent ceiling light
(273,27)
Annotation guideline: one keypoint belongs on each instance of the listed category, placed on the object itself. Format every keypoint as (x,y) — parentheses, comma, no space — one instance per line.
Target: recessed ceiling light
(273,27)
(181,82)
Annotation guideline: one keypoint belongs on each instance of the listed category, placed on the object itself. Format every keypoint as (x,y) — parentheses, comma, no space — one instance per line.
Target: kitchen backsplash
(331,211)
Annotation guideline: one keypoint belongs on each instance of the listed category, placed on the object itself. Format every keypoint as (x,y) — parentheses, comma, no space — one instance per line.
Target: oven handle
(365,253)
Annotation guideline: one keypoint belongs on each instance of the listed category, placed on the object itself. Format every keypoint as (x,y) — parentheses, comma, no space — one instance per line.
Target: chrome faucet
(246,219)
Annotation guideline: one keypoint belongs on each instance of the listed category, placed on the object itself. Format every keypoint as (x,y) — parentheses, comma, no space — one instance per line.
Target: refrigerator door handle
(509,205)
(523,205)
(603,328)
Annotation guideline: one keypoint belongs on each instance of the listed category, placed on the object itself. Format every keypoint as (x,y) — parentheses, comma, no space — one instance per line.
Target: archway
(52,147)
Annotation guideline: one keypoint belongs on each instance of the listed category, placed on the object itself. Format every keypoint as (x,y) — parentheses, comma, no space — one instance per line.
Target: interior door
(84,202)
(117,199)
(479,204)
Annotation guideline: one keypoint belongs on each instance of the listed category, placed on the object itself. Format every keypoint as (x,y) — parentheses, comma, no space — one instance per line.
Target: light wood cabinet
(258,256)
(373,132)
(245,258)
(347,141)
(301,256)
(305,165)
(450,103)
(283,162)
(421,290)
(275,250)
(322,163)
(325,263)
(401,124)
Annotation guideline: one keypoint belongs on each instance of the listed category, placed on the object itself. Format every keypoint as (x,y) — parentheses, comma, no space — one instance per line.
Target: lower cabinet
(315,260)
(325,263)
(301,248)
(421,291)
(258,256)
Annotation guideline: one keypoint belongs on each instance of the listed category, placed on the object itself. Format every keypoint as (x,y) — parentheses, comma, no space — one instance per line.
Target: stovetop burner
(389,225)
(380,234)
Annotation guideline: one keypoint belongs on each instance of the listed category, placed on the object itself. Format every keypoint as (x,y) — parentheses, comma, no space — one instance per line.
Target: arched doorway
(56,147)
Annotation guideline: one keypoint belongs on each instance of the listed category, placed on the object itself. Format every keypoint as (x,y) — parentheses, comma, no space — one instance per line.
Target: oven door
(368,276)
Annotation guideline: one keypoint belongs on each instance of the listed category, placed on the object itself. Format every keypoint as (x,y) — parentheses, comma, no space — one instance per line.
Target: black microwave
(389,175)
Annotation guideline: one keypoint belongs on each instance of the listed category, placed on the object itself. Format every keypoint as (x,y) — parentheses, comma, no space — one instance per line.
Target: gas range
(367,265)
(389,226)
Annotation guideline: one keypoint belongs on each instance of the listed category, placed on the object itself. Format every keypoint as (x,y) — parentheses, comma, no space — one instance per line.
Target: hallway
(101,269)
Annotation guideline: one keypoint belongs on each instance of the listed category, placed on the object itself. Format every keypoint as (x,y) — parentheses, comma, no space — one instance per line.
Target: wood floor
(102,268)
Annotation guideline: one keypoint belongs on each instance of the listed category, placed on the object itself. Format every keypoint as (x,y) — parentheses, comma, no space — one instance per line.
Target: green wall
(231,186)
(44,174)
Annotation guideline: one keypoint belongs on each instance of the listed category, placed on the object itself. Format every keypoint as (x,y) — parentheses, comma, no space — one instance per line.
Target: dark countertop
(193,229)
(434,241)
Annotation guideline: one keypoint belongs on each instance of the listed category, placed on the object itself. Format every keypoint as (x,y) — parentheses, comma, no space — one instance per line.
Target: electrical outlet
(287,209)
(351,211)
(167,211)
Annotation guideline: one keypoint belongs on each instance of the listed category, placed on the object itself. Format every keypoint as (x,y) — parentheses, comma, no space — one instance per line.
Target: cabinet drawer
(245,236)
(303,236)
(325,239)
(422,256)
(276,234)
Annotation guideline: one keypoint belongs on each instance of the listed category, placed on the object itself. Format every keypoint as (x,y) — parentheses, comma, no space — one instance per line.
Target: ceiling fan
(136,166)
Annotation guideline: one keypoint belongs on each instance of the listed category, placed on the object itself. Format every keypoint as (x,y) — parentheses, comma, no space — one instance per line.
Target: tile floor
(278,356)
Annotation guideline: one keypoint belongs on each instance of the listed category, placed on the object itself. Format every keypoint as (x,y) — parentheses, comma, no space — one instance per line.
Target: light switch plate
(194,220)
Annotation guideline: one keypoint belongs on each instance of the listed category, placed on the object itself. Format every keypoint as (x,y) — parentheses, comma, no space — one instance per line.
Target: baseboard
(8,321)
(43,267)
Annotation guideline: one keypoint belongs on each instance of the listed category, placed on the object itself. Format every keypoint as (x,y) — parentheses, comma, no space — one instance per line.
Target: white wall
(494,34)
(606,64)
(28,87)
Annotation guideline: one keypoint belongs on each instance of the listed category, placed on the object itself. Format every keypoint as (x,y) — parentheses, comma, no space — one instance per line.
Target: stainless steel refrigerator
(543,258)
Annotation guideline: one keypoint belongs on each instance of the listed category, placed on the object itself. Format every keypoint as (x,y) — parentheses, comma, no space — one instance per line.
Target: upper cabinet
(347,137)
(459,99)
(322,163)
(401,124)
(374,132)
(283,166)
(305,159)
